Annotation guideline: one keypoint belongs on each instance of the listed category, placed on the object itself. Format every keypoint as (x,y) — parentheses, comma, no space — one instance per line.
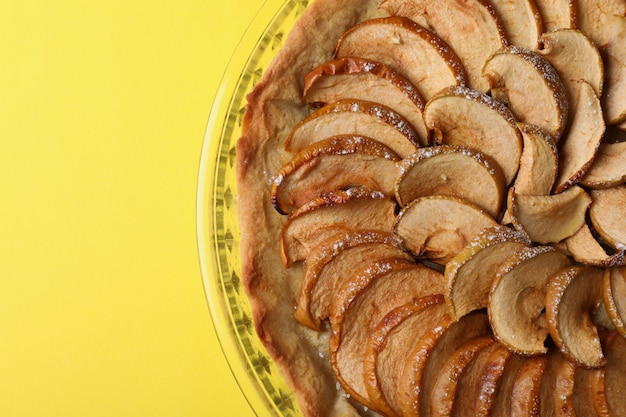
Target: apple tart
(432,206)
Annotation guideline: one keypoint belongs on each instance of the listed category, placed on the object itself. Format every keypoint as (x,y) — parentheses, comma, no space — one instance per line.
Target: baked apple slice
(585,248)
(471,28)
(360,304)
(335,163)
(557,14)
(614,297)
(594,18)
(513,72)
(446,382)
(520,20)
(526,393)
(359,118)
(589,397)
(539,162)
(330,213)
(579,146)
(549,218)
(464,117)
(557,386)
(408,48)
(517,298)
(468,276)
(608,168)
(614,97)
(615,374)
(502,401)
(451,170)
(573,296)
(478,384)
(363,79)
(607,215)
(331,262)
(389,347)
(419,373)
(438,227)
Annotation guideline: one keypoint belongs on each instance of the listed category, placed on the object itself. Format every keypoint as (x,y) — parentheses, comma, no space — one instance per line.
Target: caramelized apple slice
(463,117)
(615,374)
(359,118)
(471,28)
(578,149)
(607,215)
(331,213)
(614,97)
(469,275)
(557,14)
(390,345)
(446,382)
(502,401)
(614,297)
(557,386)
(438,227)
(428,356)
(594,18)
(332,164)
(539,162)
(608,168)
(585,248)
(517,298)
(331,262)
(359,305)
(575,58)
(513,72)
(550,218)
(520,20)
(589,397)
(408,48)
(573,296)
(526,392)
(479,382)
(363,79)
(451,170)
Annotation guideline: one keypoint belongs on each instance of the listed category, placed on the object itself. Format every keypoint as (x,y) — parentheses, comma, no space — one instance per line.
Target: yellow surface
(103,106)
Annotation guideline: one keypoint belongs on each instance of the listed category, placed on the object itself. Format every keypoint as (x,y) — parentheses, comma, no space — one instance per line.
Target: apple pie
(432,205)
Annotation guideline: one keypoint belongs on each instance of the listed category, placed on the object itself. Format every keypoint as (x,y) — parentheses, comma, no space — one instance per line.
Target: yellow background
(103,107)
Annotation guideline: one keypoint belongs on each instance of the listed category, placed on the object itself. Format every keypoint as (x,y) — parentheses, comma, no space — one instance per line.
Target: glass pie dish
(217,227)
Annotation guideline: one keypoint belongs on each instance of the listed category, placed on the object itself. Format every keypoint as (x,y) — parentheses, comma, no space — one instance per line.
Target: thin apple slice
(502,401)
(363,79)
(471,28)
(390,345)
(526,393)
(557,14)
(575,57)
(607,215)
(614,97)
(594,18)
(589,397)
(585,248)
(573,295)
(550,218)
(359,305)
(479,381)
(331,262)
(517,298)
(608,168)
(539,162)
(557,386)
(406,47)
(614,297)
(438,227)
(446,383)
(451,170)
(521,22)
(330,213)
(359,118)
(469,275)
(579,146)
(335,163)
(513,72)
(463,117)
(428,356)
(615,374)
